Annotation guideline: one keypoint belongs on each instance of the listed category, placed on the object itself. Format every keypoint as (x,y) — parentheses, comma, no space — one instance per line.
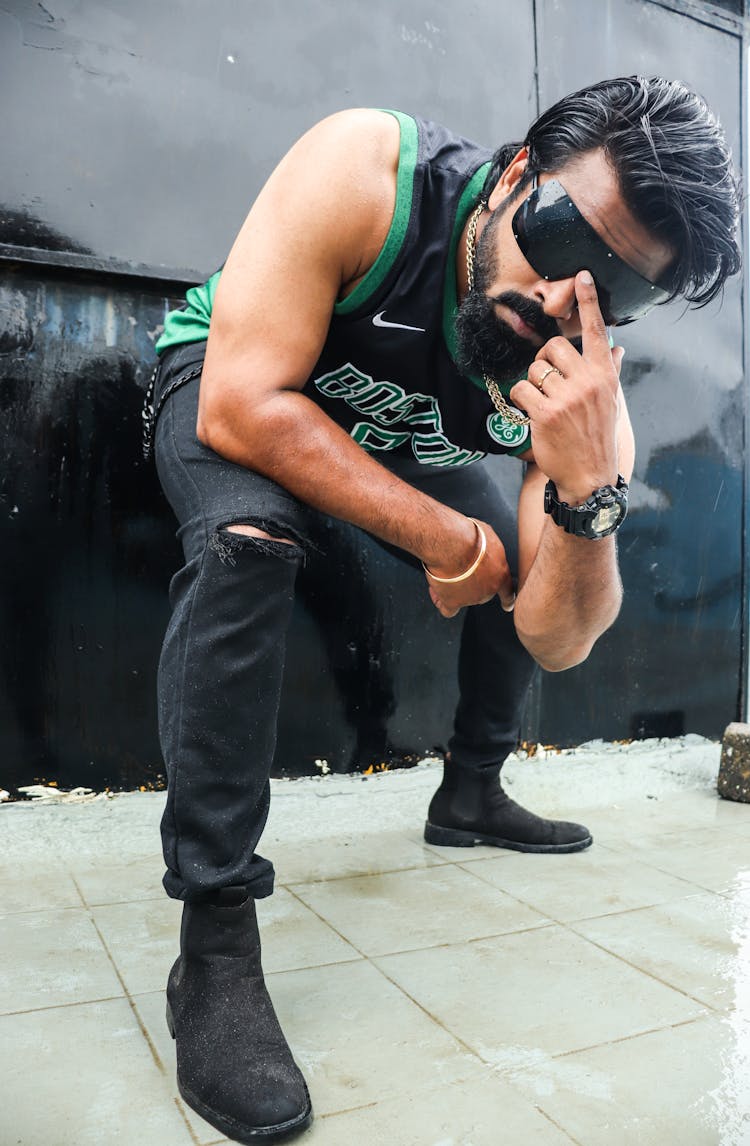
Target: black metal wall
(673,661)
(138,136)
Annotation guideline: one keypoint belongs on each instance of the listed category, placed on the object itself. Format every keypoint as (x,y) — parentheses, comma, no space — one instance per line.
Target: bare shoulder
(329,202)
(348,167)
(316,227)
(359,135)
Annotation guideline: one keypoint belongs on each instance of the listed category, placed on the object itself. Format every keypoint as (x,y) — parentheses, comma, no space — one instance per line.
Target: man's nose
(558,298)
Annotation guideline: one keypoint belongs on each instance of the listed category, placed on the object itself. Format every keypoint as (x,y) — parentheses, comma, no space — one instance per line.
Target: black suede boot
(471,808)
(233,1063)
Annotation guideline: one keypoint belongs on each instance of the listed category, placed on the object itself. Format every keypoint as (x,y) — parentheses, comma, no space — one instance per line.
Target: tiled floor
(433,997)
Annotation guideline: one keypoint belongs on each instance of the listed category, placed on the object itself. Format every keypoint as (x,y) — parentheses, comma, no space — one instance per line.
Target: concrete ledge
(734,770)
(567,784)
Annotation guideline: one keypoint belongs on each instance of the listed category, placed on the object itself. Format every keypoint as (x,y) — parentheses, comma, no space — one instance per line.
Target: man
(355,359)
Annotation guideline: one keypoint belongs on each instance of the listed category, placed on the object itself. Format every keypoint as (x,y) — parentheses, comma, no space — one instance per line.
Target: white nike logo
(378,320)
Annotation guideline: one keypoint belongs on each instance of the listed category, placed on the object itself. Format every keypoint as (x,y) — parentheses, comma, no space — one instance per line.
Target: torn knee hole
(228,541)
(253,531)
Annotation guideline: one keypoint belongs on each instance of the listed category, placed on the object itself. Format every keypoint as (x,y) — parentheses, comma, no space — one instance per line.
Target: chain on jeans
(151,410)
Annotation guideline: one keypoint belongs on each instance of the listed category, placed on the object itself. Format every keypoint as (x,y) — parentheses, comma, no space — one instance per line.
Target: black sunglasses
(558,242)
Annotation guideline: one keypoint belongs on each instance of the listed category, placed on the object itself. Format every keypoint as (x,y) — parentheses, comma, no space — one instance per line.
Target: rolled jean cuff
(259,884)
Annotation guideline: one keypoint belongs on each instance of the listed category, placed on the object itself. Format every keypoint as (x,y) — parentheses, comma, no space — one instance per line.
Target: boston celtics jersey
(387,373)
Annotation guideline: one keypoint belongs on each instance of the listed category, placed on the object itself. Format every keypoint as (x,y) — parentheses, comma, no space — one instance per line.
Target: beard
(486,344)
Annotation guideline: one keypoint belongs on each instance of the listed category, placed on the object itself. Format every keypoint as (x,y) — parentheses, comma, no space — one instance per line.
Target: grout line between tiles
(557,1125)
(632,910)
(732,892)
(131,1003)
(43,910)
(74,881)
(561,1054)
(126,902)
(61,1006)
(149,1042)
(642,970)
(327,924)
(433,1018)
(698,890)
(506,1072)
(621,1039)
(455,942)
(398,987)
(663,871)
(347,1110)
(360,875)
(183,1114)
(522,902)
(492,853)
(314,966)
(721,837)
(544,922)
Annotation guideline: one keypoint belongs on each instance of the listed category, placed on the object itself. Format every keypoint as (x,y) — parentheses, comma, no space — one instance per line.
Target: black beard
(487,344)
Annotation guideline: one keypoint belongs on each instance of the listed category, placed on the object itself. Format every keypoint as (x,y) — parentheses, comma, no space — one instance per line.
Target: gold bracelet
(472,568)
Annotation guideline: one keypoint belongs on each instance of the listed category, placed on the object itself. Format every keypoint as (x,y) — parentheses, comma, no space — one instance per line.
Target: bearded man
(398,304)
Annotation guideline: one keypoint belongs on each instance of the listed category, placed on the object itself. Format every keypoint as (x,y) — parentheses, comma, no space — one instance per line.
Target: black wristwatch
(599,516)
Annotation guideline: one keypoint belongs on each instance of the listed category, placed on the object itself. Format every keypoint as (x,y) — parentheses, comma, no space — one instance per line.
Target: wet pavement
(432,996)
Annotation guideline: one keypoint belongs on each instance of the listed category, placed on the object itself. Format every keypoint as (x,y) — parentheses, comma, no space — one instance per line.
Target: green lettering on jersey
(436,450)
(387,403)
(344,382)
(375,438)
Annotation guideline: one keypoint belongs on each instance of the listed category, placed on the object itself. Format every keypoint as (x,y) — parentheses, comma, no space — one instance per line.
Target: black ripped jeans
(222,662)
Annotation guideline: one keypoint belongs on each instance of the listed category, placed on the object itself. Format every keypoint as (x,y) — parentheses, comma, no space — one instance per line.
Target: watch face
(606,518)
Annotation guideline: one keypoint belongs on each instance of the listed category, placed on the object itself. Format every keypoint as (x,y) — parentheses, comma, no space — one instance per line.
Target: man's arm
(316,227)
(569,587)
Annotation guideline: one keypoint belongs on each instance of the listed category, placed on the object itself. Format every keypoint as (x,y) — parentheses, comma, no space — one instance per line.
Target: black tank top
(387,372)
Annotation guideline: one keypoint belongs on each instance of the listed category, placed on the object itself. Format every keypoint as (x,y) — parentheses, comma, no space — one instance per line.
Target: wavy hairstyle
(672,163)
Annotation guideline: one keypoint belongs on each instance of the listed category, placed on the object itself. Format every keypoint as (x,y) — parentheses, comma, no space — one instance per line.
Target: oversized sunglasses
(558,242)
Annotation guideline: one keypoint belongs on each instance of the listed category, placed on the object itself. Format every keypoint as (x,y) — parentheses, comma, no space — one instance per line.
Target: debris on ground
(46,794)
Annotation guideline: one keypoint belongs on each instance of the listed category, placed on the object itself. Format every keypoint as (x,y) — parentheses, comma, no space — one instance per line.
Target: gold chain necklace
(510,413)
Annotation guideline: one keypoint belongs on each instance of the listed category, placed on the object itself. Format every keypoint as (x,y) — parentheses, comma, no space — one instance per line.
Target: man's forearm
(571,595)
(288,438)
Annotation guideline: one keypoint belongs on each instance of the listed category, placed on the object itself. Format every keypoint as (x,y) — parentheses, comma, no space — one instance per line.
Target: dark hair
(672,162)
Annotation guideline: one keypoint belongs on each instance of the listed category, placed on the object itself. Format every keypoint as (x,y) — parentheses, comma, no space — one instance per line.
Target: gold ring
(547,372)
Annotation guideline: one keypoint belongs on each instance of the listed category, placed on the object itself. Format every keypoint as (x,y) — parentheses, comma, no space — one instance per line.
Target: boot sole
(235,1130)
(459,838)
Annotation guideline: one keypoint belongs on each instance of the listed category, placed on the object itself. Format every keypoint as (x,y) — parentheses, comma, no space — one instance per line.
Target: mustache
(531,312)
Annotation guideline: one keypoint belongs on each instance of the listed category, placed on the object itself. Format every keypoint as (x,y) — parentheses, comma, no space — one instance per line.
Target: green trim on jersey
(190,324)
(502,429)
(407,162)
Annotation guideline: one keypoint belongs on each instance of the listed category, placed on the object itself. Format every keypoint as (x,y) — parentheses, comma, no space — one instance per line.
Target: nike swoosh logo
(378,320)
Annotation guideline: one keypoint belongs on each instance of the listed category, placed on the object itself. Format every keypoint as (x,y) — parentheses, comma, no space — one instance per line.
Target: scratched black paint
(86,538)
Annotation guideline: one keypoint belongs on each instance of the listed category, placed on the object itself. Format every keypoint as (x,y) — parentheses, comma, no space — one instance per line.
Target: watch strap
(579,519)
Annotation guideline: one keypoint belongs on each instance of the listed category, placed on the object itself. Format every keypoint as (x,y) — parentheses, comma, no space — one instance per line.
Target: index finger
(593,329)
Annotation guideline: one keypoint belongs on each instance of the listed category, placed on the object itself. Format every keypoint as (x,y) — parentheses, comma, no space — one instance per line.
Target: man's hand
(574,407)
(569,587)
(492,576)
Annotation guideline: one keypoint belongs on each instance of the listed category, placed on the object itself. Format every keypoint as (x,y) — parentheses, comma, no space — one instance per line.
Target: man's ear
(509,179)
